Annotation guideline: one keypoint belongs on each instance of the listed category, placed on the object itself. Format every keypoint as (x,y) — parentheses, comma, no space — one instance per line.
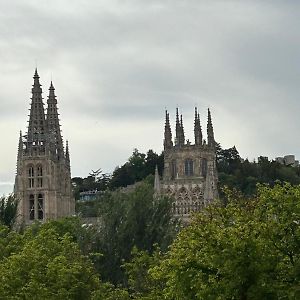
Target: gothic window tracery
(39,173)
(204,167)
(31,207)
(31,177)
(40,207)
(173,169)
(189,167)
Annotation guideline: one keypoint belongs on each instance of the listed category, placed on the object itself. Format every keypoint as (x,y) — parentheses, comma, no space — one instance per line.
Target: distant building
(43,179)
(190,173)
(88,195)
(288,160)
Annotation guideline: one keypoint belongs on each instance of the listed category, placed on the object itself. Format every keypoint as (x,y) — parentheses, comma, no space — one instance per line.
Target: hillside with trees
(244,246)
(247,249)
(234,172)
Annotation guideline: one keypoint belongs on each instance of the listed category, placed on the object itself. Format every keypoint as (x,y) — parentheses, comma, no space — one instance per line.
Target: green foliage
(95,181)
(46,266)
(8,210)
(249,249)
(131,219)
(243,175)
(141,284)
(108,291)
(137,168)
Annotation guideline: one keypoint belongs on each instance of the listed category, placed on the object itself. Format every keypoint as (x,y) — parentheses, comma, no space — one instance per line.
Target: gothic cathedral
(190,173)
(43,179)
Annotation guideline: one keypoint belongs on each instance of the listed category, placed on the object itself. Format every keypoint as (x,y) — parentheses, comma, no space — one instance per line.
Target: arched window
(40,207)
(31,177)
(39,174)
(31,207)
(204,167)
(189,167)
(173,169)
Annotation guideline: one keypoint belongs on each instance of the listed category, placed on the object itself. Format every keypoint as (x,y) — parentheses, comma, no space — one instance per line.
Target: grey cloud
(117,62)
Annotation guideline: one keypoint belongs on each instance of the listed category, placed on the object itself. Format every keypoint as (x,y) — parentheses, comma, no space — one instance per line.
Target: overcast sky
(116,66)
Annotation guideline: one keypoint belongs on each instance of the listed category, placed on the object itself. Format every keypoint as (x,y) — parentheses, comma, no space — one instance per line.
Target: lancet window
(189,167)
(31,177)
(173,169)
(31,207)
(204,167)
(39,173)
(40,207)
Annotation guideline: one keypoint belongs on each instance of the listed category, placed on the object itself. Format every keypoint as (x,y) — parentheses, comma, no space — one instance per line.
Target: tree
(131,219)
(47,266)
(249,249)
(137,168)
(8,210)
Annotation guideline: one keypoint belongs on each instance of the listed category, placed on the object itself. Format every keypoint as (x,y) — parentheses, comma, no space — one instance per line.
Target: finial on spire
(208,116)
(36,75)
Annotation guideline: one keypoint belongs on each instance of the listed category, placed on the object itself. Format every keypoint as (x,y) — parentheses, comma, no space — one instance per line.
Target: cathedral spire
(20,147)
(168,133)
(37,124)
(210,131)
(179,129)
(67,155)
(182,138)
(53,125)
(197,129)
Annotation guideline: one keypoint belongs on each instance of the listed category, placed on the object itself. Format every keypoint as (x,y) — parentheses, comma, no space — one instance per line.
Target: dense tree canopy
(131,219)
(243,175)
(138,167)
(44,266)
(249,249)
(8,210)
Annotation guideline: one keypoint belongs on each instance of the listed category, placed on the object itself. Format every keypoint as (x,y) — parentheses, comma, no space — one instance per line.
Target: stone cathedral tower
(43,179)
(190,174)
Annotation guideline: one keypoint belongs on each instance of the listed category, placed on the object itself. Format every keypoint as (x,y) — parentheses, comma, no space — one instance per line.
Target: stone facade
(190,174)
(288,160)
(43,179)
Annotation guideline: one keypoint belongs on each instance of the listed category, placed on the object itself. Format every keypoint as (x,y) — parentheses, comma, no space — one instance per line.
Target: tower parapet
(190,174)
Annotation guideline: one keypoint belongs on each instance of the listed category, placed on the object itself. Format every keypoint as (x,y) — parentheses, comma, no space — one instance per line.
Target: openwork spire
(168,133)
(67,155)
(210,131)
(53,125)
(36,134)
(197,129)
(20,147)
